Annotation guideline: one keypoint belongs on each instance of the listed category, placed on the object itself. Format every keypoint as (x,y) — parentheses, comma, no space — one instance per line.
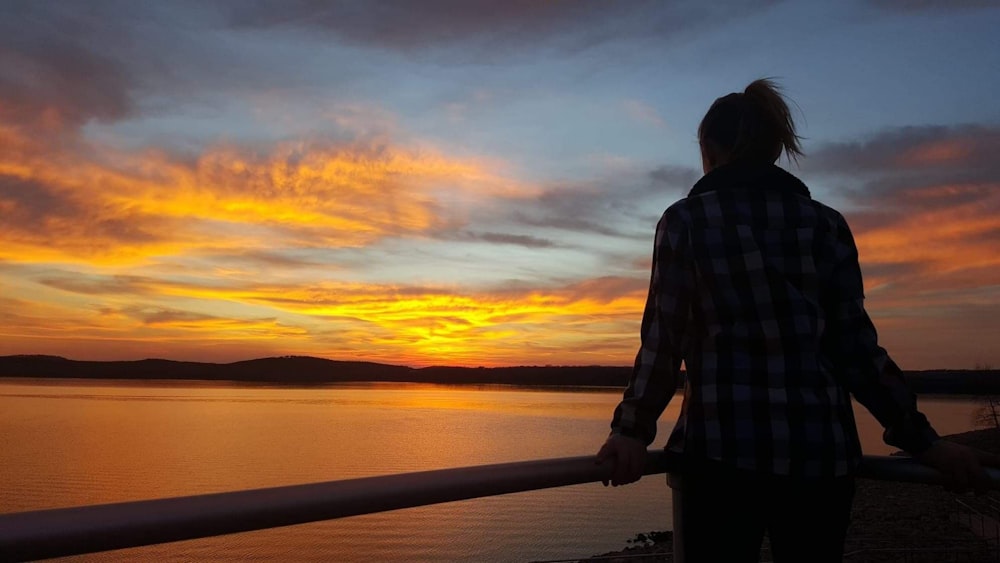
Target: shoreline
(886,517)
(348,383)
(310,371)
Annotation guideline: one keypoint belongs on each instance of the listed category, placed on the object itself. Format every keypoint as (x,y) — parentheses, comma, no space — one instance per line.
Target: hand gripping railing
(86,529)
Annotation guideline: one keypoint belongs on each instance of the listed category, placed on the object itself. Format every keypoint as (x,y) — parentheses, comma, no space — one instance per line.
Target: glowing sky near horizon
(464,183)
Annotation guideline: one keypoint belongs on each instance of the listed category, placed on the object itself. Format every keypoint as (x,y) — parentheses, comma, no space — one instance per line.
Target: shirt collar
(749,177)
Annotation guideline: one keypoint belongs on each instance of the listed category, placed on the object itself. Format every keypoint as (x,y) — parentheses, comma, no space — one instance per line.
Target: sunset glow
(283,182)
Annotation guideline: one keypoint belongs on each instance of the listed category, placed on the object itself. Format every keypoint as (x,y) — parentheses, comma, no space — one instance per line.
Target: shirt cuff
(630,433)
(913,434)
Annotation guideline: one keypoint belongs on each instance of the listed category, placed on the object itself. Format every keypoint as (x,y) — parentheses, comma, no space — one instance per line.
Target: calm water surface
(67,443)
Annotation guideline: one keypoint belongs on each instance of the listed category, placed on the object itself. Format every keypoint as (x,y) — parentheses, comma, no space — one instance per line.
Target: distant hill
(301,370)
(955,381)
(305,370)
(286,369)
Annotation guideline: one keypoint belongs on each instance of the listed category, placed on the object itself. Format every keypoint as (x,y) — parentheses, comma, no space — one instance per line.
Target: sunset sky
(464,182)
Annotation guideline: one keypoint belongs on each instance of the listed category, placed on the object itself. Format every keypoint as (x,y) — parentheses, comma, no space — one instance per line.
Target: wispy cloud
(921,154)
(492,28)
(927,195)
(643,113)
(623,203)
(69,206)
(76,282)
(507,238)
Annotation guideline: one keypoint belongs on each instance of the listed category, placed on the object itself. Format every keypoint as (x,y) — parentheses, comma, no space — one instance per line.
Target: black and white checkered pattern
(757,288)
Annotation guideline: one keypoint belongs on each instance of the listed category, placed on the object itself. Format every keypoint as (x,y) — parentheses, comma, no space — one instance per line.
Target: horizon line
(294,356)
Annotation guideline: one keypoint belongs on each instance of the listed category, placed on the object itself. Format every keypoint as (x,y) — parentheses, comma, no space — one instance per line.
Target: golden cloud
(411,325)
(96,205)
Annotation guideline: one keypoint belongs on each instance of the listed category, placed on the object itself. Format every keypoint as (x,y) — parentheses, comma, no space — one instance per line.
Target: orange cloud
(119,208)
(946,151)
(935,260)
(926,221)
(943,237)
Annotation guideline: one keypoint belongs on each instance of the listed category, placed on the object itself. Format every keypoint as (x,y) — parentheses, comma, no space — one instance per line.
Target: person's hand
(962,466)
(628,455)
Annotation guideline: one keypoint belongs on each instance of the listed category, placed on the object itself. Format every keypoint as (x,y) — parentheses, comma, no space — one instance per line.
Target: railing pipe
(86,529)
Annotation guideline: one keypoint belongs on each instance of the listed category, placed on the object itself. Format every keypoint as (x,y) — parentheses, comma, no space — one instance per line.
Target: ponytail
(753,126)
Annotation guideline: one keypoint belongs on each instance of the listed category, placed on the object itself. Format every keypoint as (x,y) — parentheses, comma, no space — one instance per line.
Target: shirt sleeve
(655,374)
(866,368)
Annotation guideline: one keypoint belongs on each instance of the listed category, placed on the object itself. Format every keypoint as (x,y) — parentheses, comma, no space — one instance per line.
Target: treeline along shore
(305,370)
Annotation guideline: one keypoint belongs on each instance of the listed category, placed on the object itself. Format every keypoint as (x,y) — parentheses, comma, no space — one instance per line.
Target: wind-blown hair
(753,126)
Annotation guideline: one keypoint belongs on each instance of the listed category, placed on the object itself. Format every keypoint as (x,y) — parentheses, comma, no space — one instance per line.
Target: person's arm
(865,367)
(877,382)
(655,373)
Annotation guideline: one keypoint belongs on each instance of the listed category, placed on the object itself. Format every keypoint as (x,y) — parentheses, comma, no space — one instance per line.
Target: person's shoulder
(677,214)
(679,207)
(835,219)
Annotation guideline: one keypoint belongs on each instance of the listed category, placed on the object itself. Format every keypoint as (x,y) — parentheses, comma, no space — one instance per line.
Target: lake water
(67,443)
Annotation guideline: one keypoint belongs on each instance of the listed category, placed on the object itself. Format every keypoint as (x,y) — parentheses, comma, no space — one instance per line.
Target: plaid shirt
(757,288)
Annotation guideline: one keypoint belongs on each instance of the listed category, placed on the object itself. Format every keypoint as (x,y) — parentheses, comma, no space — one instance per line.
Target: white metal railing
(86,529)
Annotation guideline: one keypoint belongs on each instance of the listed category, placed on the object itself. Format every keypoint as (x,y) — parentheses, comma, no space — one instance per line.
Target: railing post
(674,480)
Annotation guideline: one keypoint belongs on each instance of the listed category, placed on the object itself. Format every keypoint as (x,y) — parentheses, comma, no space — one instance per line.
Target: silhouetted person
(757,288)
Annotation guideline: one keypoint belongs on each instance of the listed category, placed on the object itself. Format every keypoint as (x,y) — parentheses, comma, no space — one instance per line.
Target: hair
(753,126)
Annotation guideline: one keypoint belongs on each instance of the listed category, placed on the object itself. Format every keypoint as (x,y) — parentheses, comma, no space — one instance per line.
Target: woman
(756,287)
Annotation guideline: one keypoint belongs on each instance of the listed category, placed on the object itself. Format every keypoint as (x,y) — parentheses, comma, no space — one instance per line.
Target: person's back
(762,253)
(756,287)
